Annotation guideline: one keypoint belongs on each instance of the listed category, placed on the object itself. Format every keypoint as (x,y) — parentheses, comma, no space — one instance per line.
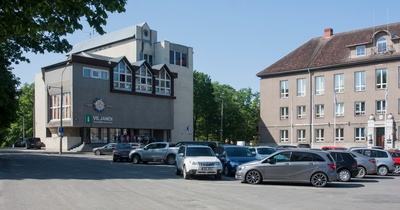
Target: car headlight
(234,164)
(194,162)
(216,163)
(239,168)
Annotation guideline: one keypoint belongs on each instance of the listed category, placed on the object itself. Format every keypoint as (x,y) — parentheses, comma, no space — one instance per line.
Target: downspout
(311,108)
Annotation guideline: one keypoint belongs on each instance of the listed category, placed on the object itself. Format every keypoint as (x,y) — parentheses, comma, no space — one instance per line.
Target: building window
(144,80)
(319,85)
(284,135)
(381,45)
(147,57)
(381,78)
(284,89)
(339,83)
(284,113)
(178,58)
(360,50)
(360,134)
(163,83)
(301,112)
(301,87)
(319,111)
(301,135)
(55,106)
(339,110)
(339,134)
(319,135)
(359,108)
(359,81)
(380,107)
(122,77)
(95,73)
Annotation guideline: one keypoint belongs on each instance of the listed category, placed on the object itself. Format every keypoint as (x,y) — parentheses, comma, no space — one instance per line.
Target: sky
(233,40)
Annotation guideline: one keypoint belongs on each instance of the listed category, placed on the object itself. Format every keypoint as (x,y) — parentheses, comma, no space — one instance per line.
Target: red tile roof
(322,52)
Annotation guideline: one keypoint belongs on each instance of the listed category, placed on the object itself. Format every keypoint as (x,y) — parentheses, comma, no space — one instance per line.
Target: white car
(197,160)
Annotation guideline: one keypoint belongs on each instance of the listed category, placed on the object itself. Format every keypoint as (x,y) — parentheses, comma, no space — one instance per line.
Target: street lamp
(61,129)
(222,121)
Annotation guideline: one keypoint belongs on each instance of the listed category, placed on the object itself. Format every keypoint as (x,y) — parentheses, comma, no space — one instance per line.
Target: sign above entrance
(99,105)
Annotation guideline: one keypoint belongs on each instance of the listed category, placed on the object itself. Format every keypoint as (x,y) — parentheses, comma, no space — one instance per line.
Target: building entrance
(380,137)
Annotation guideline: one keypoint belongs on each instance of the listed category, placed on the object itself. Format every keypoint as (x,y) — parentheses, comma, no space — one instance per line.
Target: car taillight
(372,161)
(332,166)
(355,165)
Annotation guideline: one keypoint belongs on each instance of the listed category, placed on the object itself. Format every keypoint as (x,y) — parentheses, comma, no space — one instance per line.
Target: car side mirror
(270,161)
(145,148)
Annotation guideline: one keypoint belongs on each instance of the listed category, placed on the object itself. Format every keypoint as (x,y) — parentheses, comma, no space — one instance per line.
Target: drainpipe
(311,108)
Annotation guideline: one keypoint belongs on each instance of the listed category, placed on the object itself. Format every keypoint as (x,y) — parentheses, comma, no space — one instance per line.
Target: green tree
(205,107)
(39,27)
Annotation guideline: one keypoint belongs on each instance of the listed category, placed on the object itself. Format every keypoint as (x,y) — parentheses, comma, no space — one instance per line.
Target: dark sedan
(121,152)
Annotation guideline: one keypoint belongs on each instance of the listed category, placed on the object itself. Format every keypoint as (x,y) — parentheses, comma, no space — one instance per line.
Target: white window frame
(339,109)
(163,83)
(319,135)
(319,85)
(360,51)
(144,80)
(359,81)
(359,108)
(284,88)
(301,135)
(381,78)
(122,77)
(284,135)
(381,44)
(301,112)
(339,83)
(55,106)
(96,73)
(380,107)
(319,111)
(339,134)
(284,111)
(301,87)
(359,134)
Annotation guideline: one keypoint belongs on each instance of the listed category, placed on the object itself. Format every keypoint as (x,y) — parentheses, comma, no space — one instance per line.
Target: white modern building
(125,85)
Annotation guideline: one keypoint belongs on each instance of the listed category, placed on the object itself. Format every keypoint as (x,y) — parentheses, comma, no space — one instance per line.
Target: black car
(346,165)
(32,143)
(121,152)
(231,156)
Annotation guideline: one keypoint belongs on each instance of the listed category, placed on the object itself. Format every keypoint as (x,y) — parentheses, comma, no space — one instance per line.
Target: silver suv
(294,165)
(384,160)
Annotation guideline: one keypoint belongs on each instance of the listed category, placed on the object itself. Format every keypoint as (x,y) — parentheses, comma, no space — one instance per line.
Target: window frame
(301,112)
(284,135)
(339,134)
(163,83)
(339,109)
(339,83)
(284,88)
(123,77)
(319,135)
(381,79)
(144,80)
(284,113)
(360,51)
(319,85)
(101,74)
(361,110)
(382,105)
(319,111)
(359,134)
(301,87)
(55,107)
(359,81)
(301,135)
(381,44)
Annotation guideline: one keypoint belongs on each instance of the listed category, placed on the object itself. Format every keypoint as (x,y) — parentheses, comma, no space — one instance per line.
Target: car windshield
(123,146)
(239,152)
(193,152)
(265,151)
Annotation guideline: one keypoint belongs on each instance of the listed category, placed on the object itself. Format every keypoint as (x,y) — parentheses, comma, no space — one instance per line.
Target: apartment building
(336,89)
(122,86)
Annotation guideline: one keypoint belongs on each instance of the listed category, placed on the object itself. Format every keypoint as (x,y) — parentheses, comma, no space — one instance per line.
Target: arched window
(122,77)
(163,83)
(381,44)
(144,80)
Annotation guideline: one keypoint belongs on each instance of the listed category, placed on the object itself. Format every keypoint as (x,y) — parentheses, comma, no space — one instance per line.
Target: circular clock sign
(99,105)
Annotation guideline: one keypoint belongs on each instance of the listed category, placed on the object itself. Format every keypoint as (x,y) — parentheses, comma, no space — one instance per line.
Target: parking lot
(37,179)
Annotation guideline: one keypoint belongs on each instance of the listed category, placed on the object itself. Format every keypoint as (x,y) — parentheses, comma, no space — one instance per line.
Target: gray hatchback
(295,165)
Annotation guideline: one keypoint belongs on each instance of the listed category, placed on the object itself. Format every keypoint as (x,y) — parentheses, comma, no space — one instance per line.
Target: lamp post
(222,121)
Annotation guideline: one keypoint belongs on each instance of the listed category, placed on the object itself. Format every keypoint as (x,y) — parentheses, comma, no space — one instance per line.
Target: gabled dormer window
(144,80)
(381,44)
(163,83)
(122,77)
(360,50)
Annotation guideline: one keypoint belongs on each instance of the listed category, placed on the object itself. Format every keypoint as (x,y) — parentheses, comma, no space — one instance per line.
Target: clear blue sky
(233,40)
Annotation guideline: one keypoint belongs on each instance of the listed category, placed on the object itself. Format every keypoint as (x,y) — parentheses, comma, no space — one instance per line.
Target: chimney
(328,32)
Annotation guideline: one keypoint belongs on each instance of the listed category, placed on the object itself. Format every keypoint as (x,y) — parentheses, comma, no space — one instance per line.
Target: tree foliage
(218,104)
(40,26)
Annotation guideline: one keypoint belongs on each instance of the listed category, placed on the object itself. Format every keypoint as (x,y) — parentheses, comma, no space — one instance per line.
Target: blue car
(231,156)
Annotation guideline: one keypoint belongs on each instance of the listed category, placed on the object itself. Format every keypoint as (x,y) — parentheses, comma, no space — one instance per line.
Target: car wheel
(226,171)
(253,177)
(218,176)
(319,179)
(171,159)
(177,171)
(382,170)
(344,175)
(185,174)
(396,169)
(97,152)
(136,159)
(361,172)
